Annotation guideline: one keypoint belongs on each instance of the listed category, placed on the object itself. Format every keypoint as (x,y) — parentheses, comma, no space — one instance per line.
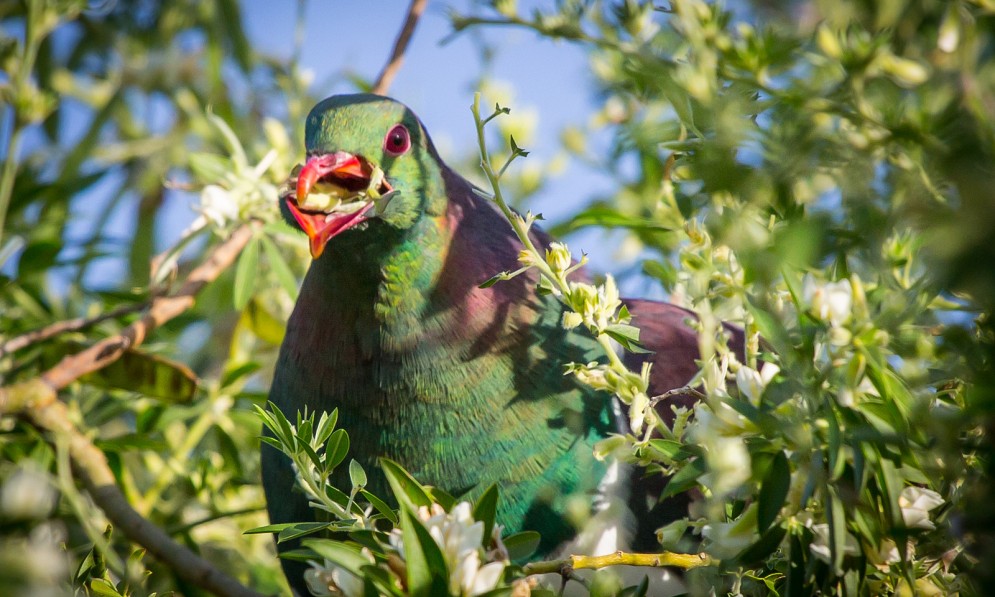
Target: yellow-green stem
(685,561)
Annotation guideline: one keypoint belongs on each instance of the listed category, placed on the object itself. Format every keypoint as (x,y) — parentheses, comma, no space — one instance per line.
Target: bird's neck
(384,278)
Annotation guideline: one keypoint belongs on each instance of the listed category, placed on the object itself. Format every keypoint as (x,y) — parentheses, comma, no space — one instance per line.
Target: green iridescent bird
(464,386)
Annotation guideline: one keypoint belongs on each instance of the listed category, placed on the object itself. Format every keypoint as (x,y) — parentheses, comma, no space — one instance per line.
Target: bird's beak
(349,176)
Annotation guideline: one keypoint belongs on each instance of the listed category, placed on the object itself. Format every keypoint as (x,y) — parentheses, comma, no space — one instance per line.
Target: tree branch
(393,65)
(36,399)
(64,327)
(620,558)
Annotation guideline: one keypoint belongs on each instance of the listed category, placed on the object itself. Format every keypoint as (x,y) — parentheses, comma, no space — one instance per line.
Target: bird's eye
(398,140)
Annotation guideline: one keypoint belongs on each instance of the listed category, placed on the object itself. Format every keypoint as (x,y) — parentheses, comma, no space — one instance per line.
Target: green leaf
(773,492)
(356,474)
(209,167)
(627,336)
(605,216)
(515,149)
(326,425)
(270,528)
(147,374)
(380,506)
(424,560)
(233,375)
(246,274)
(493,280)
(309,528)
(406,489)
(837,527)
(280,268)
(684,479)
(766,545)
(671,450)
(521,545)
(485,510)
(338,552)
(336,449)
(441,497)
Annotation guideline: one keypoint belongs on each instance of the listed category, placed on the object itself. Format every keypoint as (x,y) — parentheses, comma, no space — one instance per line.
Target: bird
(463,385)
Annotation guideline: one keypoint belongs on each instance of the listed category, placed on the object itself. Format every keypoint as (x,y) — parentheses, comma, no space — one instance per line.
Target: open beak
(331,196)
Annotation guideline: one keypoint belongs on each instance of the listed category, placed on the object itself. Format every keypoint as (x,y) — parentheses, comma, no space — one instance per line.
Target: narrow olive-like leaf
(209,167)
(521,545)
(406,489)
(336,449)
(326,425)
(280,268)
(356,474)
(242,371)
(263,324)
(246,275)
(441,497)
(380,506)
(766,545)
(773,492)
(837,528)
(270,528)
(485,510)
(300,529)
(148,374)
(684,479)
(421,554)
(337,552)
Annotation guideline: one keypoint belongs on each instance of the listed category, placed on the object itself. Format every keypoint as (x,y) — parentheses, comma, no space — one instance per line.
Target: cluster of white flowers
(459,537)
(242,190)
(752,383)
(830,302)
(594,306)
(628,386)
(718,429)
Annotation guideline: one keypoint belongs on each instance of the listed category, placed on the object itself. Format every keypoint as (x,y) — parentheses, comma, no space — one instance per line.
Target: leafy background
(738,153)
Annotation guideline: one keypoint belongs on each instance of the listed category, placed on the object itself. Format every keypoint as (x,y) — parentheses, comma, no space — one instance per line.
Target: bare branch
(400,46)
(64,327)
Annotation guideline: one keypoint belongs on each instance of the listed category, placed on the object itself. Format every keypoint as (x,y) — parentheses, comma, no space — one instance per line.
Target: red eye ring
(397,141)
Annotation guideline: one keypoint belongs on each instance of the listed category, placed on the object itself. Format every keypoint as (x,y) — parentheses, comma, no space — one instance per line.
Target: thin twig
(682,391)
(390,69)
(620,558)
(64,327)
(36,399)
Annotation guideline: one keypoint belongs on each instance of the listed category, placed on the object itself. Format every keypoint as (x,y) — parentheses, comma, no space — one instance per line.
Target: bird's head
(368,157)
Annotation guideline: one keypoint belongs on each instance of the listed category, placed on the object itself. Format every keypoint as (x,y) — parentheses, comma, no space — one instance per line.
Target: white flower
(751,383)
(459,538)
(331,579)
(571,320)
(726,539)
(714,374)
(218,205)
(916,502)
(887,554)
(830,302)
(728,464)
(820,546)
(27,494)
(558,257)
(597,305)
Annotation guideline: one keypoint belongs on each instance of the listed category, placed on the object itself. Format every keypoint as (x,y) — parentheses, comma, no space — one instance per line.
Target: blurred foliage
(817,171)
